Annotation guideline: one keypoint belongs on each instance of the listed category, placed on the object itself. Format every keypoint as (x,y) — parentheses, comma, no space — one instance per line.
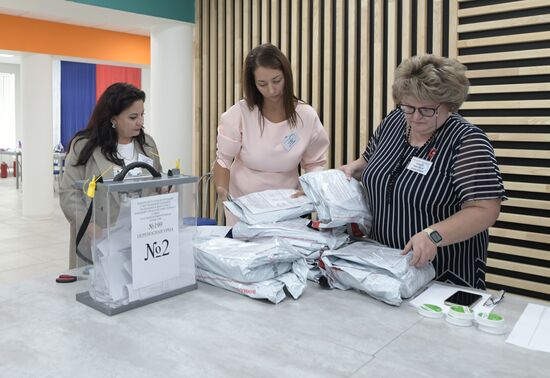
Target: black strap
(81,232)
(83,228)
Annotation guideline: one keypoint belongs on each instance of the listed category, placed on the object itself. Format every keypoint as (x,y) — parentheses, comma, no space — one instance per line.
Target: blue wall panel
(78,83)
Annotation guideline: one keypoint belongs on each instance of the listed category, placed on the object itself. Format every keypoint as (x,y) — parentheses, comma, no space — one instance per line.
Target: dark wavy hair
(269,56)
(99,132)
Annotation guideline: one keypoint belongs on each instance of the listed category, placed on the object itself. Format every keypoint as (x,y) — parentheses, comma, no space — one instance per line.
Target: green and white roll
(491,323)
(460,316)
(431,311)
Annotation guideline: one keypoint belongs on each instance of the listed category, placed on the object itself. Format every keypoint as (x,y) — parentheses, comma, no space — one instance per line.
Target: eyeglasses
(424,112)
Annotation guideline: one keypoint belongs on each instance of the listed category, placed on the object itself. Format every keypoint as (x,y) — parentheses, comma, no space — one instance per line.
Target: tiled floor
(30,248)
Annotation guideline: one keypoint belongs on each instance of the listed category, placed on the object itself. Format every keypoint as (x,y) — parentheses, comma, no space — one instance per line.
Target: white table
(57,156)
(213,332)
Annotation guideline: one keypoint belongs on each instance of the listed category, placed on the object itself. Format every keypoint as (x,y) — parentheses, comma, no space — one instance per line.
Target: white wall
(15,69)
(146,87)
(172,94)
(36,105)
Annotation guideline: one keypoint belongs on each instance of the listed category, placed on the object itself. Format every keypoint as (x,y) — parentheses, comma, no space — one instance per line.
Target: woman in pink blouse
(264,137)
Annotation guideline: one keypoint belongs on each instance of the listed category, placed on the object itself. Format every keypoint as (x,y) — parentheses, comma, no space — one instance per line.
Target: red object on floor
(3,170)
(14,168)
(66,278)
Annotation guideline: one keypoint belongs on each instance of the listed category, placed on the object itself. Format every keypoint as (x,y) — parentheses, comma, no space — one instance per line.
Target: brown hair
(269,56)
(431,77)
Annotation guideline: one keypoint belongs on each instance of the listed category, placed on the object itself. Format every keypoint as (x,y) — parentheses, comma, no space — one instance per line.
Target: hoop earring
(113,125)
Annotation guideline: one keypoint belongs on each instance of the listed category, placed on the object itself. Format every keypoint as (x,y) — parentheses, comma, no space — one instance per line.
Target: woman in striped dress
(431,177)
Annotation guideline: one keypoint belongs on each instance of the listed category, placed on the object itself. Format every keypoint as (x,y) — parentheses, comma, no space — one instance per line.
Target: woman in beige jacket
(113,138)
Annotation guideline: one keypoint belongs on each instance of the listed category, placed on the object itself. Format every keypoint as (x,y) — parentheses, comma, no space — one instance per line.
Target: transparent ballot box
(141,232)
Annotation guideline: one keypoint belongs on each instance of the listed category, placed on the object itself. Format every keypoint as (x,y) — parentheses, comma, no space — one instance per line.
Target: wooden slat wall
(343,54)
(507,51)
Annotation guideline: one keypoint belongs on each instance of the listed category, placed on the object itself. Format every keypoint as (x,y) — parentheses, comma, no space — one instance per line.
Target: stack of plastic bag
(269,206)
(294,231)
(338,201)
(257,270)
(379,271)
(309,242)
(208,232)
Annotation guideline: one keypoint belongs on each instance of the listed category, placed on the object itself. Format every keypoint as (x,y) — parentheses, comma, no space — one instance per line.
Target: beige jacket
(73,201)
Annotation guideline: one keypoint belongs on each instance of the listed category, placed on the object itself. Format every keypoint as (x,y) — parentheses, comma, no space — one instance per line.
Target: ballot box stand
(142,249)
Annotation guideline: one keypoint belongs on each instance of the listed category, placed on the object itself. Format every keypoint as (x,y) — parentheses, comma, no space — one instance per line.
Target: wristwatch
(434,236)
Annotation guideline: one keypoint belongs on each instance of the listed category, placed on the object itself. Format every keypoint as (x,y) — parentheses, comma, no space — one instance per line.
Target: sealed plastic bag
(377,270)
(269,206)
(295,231)
(257,270)
(309,242)
(338,201)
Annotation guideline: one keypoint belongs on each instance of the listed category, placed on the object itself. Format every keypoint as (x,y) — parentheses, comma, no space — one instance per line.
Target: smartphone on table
(463,298)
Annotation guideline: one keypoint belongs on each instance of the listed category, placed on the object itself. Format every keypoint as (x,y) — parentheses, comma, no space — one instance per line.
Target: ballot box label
(155,239)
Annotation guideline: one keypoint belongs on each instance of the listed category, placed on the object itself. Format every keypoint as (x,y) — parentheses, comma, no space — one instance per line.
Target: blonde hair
(431,77)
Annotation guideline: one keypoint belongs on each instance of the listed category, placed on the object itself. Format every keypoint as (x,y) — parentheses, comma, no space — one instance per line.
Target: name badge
(145,159)
(419,166)
(289,141)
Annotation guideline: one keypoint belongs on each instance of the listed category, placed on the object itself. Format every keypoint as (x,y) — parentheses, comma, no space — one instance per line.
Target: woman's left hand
(424,250)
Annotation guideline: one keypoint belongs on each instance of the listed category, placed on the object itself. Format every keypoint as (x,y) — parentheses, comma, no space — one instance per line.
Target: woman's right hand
(348,171)
(354,168)
(221,178)
(222,193)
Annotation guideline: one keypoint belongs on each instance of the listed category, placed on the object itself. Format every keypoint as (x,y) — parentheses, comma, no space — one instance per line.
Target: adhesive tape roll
(490,319)
(461,312)
(491,323)
(430,311)
(458,321)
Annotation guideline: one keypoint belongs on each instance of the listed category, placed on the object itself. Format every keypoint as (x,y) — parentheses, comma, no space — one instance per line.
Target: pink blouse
(270,160)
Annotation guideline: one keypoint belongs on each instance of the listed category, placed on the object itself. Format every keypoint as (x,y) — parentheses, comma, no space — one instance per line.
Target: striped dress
(404,202)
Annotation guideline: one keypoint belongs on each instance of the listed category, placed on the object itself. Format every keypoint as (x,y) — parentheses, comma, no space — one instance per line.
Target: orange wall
(45,37)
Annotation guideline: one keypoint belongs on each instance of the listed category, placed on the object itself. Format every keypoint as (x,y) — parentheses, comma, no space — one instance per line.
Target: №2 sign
(155,239)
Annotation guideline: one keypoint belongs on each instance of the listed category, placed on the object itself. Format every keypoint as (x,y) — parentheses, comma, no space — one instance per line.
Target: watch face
(436,237)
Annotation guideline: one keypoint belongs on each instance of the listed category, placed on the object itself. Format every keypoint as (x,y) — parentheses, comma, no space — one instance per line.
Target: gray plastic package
(272,290)
(269,206)
(377,270)
(295,231)
(309,242)
(338,201)
(257,270)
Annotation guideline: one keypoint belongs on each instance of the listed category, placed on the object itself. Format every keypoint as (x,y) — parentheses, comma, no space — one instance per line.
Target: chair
(58,168)
(204,191)
(56,174)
